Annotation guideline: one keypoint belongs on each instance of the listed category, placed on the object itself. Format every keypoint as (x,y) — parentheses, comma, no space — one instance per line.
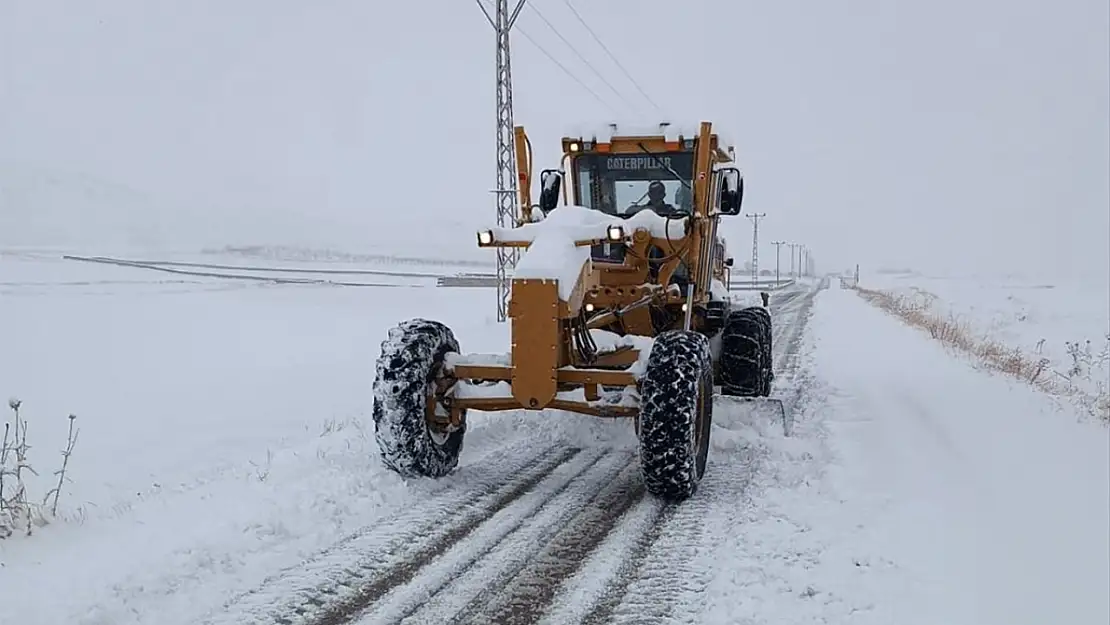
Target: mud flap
(757,411)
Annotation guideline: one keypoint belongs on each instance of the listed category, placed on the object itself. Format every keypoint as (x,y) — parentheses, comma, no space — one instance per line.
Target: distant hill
(40,207)
(45,208)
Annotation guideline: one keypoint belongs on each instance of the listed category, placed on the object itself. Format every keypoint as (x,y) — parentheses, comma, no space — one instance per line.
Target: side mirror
(551,182)
(732,191)
(729,261)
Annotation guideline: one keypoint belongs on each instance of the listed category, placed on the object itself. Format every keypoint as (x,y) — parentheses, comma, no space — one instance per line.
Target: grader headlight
(615,233)
(485,238)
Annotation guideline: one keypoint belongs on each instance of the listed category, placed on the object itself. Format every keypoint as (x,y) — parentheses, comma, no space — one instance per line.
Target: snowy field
(1065,322)
(226,472)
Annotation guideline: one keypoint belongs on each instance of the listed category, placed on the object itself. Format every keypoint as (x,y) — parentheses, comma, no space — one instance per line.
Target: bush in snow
(18,511)
(1091,369)
(1084,382)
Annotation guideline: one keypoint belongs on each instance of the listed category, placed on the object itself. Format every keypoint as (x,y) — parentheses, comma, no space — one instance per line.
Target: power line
(566,71)
(611,56)
(532,6)
(559,65)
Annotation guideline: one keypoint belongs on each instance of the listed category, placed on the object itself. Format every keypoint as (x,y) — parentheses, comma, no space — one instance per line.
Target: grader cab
(619,308)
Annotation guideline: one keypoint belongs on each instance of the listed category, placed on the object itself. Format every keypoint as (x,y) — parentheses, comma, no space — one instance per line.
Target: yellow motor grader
(619,307)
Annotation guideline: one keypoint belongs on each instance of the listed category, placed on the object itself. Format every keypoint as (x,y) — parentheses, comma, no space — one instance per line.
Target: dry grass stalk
(959,335)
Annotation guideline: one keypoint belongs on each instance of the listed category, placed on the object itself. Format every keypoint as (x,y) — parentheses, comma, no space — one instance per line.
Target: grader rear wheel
(745,360)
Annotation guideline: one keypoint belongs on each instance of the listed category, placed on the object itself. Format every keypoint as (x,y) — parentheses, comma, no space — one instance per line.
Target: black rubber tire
(745,354)
(766,355)
(676,414)
(410,359)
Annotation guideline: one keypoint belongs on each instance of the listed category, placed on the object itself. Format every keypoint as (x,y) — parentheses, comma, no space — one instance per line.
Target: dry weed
(917,310)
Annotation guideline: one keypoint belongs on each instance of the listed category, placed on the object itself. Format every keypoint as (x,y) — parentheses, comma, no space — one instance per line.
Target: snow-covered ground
(936,494)
(226,468)
(218,417)
(156,363)
(1065,321)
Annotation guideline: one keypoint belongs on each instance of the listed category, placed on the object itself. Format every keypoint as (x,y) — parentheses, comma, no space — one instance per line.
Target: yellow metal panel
(536,339)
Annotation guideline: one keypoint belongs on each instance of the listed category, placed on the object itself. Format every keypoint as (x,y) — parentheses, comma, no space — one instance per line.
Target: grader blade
(756,411)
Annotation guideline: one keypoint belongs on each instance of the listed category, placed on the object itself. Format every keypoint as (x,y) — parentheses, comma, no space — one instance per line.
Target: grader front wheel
(676,414)
(408,373)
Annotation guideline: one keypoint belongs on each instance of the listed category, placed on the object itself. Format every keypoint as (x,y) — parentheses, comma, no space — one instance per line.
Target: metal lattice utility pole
(755,243)
(778,249)
(506,191)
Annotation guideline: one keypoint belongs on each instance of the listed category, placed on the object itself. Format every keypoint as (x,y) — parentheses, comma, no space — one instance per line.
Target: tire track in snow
(665,567)
(526,590)
(631,554)
(450,562)
(666,546)
(379,552)
(668,577)
(666,560)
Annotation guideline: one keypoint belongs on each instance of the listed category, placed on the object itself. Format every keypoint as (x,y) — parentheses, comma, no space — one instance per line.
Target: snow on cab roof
(605,131)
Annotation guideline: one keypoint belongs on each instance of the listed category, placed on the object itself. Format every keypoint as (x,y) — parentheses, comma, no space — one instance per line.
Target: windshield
(625,184)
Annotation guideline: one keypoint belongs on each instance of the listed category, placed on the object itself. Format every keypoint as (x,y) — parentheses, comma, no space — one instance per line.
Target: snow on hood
(553,255)
(579,223)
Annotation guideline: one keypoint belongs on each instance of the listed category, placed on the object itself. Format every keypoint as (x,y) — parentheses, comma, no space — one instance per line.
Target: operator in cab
(657,194)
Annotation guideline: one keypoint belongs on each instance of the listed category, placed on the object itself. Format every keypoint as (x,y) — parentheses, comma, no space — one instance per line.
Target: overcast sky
(933,135)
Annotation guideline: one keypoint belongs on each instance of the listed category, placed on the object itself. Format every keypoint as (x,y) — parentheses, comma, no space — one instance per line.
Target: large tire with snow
(767,354)
(676,414)
(412,358)
(745,359)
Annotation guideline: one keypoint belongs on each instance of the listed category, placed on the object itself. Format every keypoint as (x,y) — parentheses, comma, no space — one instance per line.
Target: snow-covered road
(569,536)
(914,489)
(961,497)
